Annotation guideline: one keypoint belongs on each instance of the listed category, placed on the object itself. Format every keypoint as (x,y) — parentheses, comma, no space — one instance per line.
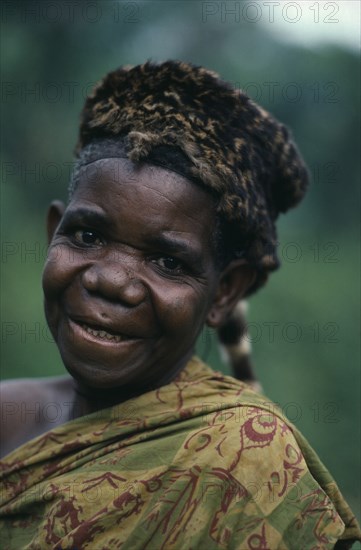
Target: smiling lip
(99,334)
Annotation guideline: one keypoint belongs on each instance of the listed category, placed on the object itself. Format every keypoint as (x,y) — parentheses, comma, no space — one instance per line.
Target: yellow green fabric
(201,463)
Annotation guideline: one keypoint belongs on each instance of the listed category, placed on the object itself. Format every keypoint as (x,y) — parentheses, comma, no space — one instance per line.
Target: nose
(115,282)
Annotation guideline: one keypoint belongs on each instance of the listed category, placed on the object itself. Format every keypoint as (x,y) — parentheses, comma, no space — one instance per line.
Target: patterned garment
(201,463)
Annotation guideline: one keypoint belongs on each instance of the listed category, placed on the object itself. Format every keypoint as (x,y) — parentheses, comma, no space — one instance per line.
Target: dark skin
(130,280)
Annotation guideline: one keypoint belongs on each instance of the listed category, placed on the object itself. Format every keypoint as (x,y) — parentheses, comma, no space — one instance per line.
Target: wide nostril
(114,283)
(90,279)
(134,292)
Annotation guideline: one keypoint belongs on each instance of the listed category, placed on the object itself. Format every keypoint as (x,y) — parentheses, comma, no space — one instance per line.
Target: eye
(87,237)
(169,263)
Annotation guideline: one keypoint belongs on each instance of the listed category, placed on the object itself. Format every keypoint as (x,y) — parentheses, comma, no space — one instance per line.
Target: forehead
(146,195)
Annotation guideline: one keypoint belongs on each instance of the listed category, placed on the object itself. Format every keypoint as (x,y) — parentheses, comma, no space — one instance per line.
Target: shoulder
(257,461)
(26,405)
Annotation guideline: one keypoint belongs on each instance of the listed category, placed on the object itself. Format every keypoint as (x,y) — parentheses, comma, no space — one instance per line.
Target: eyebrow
(172,245)
(85,215)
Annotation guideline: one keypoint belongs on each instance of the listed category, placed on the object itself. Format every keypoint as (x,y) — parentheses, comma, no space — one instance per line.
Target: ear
(234,281)
(55,213)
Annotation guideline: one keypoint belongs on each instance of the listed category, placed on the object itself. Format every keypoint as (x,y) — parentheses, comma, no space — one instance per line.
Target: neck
(87,400)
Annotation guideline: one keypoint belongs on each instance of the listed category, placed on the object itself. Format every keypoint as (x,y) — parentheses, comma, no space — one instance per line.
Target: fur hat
(234,148)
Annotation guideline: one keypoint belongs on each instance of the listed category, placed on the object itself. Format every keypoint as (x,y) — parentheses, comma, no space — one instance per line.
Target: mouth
(99,334)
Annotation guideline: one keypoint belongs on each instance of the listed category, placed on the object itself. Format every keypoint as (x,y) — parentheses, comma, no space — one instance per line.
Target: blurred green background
(304,326)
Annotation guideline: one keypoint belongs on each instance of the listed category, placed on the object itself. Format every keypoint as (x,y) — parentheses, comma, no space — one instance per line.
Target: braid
(235,346)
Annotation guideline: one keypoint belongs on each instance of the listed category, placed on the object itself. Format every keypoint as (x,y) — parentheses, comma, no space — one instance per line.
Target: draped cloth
(200,463)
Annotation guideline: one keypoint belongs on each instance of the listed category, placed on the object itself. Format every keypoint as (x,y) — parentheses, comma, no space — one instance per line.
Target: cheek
(57,270)
(184,311)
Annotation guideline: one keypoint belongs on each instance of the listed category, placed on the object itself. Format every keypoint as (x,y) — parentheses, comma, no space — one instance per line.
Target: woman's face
(130,277)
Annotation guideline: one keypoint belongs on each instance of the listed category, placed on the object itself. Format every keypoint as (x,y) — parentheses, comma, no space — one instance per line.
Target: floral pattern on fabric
(201,463)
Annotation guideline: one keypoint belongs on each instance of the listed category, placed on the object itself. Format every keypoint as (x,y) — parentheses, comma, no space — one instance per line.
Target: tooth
(102,334)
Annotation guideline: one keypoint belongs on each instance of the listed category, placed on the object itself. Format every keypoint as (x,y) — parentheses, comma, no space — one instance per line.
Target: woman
(170,223)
